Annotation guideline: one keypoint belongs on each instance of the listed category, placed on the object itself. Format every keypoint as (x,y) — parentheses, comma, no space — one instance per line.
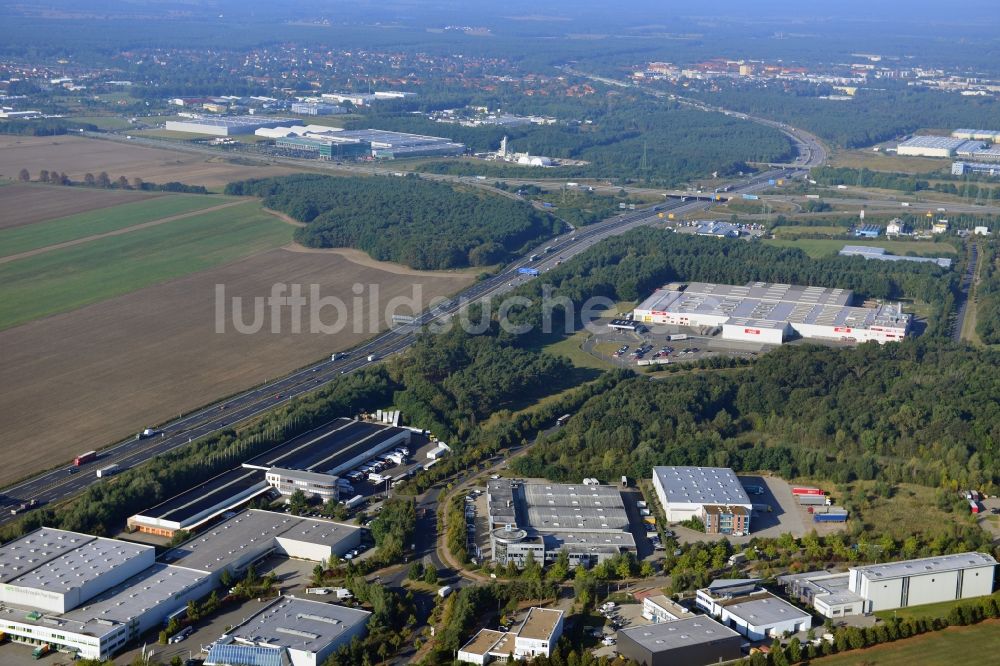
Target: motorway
(65,482)
(965,287)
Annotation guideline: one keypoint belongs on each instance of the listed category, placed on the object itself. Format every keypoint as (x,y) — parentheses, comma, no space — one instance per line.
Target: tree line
(104,181)
(420,223)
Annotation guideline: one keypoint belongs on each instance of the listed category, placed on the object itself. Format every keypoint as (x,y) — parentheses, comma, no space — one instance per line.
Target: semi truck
(24,506)
(805,490)
(41,651)
(146,432)
(830,517)
(107,471)
(354,501)
(677,336)
(85,458)
(527,271)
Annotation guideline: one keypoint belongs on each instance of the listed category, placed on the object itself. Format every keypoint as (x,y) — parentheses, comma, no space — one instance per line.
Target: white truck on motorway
(371,357)
(107,471)
(677,336)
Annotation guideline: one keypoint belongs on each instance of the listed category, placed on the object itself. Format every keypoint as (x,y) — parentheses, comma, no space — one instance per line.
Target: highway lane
(67,481)
(965,289)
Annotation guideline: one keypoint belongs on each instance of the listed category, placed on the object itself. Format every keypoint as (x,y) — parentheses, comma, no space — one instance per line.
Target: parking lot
(619,616)
(629,349)
(390,470)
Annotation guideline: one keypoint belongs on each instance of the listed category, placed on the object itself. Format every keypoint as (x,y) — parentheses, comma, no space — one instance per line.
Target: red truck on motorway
(85,458)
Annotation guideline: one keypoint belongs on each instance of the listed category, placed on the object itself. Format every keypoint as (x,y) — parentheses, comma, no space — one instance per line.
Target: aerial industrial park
(535,333)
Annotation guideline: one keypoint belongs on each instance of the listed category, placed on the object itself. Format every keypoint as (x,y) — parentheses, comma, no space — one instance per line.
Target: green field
(41,234)
(795,231)
(955,645)
(822,247)
(69,278)
(103,122)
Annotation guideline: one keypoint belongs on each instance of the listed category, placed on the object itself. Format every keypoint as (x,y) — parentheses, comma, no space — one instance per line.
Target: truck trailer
(830,517)
(805,490)
(107,471)
(813,500)
(85,458)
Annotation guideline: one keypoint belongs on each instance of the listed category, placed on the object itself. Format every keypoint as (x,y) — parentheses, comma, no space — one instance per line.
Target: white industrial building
(659,608)
(357,99)
(881,254)
(253,535)
(770,313)
(89,596)
(298,632)
(743,605)
(698,492)
(317,109)
(892,585)
(993,136)
(930,146)
(224,125)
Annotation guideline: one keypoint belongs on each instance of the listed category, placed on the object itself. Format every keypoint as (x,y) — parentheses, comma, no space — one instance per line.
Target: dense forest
(920,412)
(628,138)
(988,294)
(870,117)
(420,223)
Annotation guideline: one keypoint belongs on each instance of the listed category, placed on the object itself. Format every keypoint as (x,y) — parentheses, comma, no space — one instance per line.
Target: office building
(771,313)
(535,637)
(292,631)
(712,494)
(751,610)
(542,518)
(991,169)
(695,641)
(317,109)
(659,608)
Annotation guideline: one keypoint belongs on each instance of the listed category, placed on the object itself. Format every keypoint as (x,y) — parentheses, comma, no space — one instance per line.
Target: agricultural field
(822,247)
(67,278)
(77,156)
(88,377)
(41,235)
(955,645)
(27,203)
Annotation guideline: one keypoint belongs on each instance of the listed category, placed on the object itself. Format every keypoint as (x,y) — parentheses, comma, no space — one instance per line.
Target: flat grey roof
(540,623)
(765,611)
(59,561)
(588,540)
(926,565)
(880,253)
(225,542)
(566,518)
(235,121)
(946,142)
(300,624)
(701,485)
(679,633)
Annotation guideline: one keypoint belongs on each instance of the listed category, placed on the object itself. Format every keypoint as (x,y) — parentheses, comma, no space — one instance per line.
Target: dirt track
(87,378)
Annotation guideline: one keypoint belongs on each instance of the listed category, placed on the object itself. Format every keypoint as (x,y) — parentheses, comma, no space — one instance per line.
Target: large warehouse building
(310,462)
(712,494)
(930,146)
(894,584)
(881,254)
(697,641)
(382,144)
(224,125)
(771,313)
(588,521)
(89,596)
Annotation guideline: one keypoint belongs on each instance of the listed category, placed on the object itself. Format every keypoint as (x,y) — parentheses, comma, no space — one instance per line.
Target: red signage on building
(752,331)
(842,329)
